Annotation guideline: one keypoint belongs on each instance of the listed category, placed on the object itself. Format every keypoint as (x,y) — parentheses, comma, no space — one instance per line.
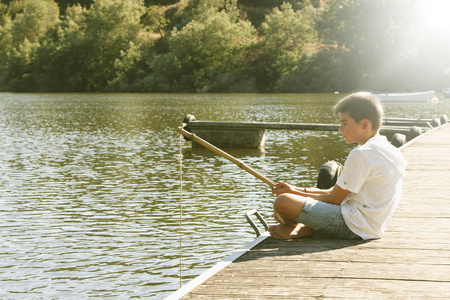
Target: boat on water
(446,92)
(415,97)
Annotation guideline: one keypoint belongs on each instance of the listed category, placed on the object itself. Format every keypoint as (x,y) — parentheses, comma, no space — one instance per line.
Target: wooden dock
(226,134)
(412,260)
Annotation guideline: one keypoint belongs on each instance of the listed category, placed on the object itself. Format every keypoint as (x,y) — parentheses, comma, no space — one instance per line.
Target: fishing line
(218,151)
(181,201)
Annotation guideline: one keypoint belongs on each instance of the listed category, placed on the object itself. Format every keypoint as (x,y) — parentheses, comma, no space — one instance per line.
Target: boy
(367,192)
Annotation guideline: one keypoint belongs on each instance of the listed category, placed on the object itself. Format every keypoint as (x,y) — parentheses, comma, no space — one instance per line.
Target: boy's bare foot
(284,232)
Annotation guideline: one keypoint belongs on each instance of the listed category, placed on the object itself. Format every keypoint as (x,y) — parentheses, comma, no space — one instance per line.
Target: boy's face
(351,131)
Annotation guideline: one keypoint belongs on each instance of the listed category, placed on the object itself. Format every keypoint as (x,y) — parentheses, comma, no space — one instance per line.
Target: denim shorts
(326,218)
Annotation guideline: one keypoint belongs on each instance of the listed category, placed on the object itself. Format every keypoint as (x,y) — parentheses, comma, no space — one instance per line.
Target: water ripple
(90,203)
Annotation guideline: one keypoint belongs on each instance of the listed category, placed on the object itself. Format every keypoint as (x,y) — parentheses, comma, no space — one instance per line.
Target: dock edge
(184,290)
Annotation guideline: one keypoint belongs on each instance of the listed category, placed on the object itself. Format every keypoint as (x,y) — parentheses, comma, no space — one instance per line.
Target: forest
(265,46)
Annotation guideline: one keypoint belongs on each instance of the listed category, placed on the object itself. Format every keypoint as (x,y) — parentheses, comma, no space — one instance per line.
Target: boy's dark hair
(361,106)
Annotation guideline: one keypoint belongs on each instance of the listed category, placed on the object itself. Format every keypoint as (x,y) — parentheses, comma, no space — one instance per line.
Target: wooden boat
(406,97)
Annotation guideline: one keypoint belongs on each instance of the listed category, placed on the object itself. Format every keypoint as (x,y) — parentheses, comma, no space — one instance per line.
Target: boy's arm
(316,191)
(335,196)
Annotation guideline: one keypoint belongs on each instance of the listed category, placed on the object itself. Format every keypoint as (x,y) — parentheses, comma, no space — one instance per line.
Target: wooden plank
(318,288)
(347,269)
(222,125)
(318,250)
(264,125)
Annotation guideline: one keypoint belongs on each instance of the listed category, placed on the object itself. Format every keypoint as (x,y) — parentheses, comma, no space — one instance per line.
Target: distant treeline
(218,46)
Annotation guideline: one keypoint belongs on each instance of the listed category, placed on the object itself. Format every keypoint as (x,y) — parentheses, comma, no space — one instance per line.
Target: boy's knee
(289,205)
(281,202)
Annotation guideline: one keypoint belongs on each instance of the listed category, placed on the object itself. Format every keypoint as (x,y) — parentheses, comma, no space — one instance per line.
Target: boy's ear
(365,124)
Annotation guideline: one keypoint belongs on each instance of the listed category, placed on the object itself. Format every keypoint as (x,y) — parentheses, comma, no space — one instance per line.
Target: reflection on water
(90,200)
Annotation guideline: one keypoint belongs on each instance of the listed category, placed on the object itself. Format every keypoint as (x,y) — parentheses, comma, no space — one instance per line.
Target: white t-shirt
(373,173)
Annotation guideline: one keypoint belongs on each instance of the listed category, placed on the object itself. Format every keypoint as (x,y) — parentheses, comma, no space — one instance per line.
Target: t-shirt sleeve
(355,172)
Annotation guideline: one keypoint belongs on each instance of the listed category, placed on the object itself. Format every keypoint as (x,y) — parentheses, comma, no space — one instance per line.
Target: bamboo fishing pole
(222,153)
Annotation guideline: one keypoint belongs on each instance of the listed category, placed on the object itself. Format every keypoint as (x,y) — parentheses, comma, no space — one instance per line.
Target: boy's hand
(281,188)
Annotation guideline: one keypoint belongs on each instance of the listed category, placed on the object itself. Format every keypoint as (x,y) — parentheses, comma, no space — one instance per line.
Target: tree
(328,70)
(33,23)
(88,43)
(5,41)
(110,26)
(155,20)
(208,49)
(377,33)
(287,36)
(62,62)
(26,26)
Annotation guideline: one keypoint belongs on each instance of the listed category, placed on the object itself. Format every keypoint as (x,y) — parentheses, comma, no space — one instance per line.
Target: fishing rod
(222,153)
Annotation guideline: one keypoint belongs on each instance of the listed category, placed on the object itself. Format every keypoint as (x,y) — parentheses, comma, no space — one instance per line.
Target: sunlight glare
(434,18)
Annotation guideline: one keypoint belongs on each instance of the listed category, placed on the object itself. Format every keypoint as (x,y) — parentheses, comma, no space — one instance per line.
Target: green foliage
(211,48)
(375,32)
(154,19)
(20,62)
(5,42)
(60,64)
(218,46)
(328,71)
(25,25)
(82,55)
(287,35)
(110,26)
(209,54)
(34,21)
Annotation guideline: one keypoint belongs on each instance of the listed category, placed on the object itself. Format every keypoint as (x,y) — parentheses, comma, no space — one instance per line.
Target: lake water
(90,186)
